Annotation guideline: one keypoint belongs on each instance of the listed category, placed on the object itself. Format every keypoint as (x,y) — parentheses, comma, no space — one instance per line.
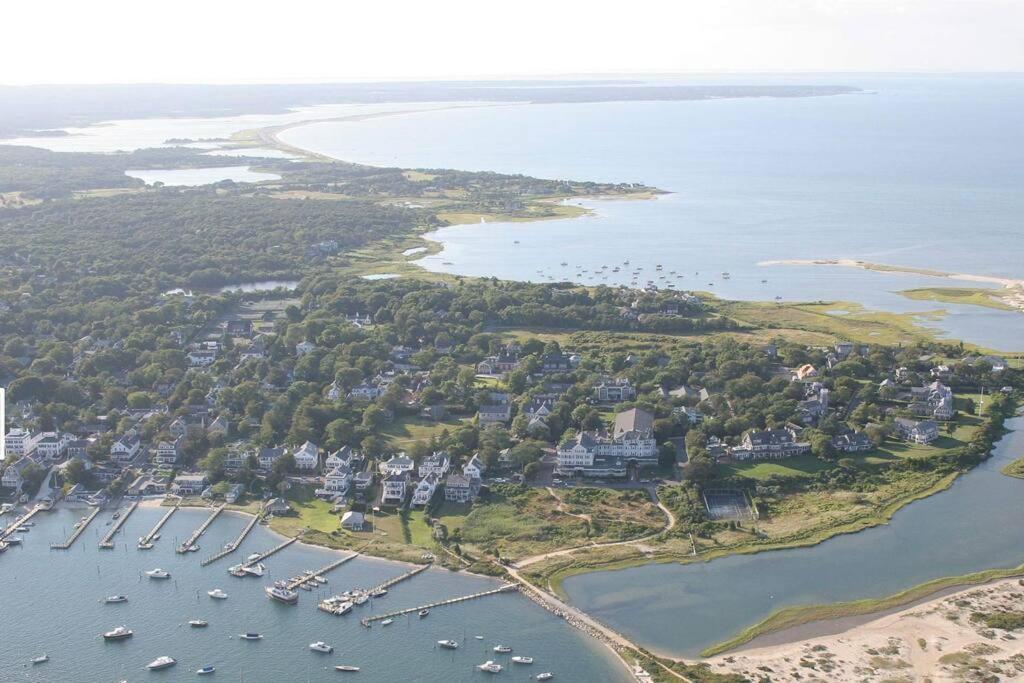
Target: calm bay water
(193,177)
(50,604)
(919,171)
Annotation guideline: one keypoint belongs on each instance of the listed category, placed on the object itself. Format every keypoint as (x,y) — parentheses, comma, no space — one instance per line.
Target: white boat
(253,557)
(13,540)
(320,579)
(448,644)
(257,569)
(198,623)
(519,659)
(158,574)
(346,667)
(546,676)
(217,594)
(145,546)
(280,592)
(423,613)
(387,622)
(378,592)
(251,636)
(502,649)
(113,599)
(40,659)
(479,637)
(321,646)
(490,667)
(161,663)
(119,633)
(206,670)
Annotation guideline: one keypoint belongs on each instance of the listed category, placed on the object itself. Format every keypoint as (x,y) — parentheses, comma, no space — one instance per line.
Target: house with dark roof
(770,444)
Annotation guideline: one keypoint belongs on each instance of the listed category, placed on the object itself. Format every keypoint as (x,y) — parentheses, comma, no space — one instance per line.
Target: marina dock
(367,621)
(233,545)
(107,542)
(12,527)
(77,532)
(402,577)
(276,549)
(191,541)
(297,581)
(148,538)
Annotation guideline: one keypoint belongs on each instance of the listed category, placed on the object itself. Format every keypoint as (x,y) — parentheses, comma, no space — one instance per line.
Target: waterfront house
(852,442)
(12,477)
(399,463)
(362,480)
(425,489)
(50,446)
(336,483)
(278,506)
(395,488)
(353,521)
(436,463)
(458,488)
(923,432)
(126,447)
(168,451)
(19,443)
(189,484)
(346,455)
(594,454)
(771,444)
(307,456)
(266,457)
(234,493)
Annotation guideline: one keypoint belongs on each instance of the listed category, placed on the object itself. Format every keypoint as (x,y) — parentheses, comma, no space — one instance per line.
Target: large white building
(630,444)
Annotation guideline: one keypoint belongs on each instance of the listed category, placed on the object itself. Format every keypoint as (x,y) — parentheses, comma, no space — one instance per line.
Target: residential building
(436,463)
(494,414)
(126,447)
(12,477)
(425,489)
(234,493)
(396,486)
(307,456)
(852,442)
(365,391)
(475,468)
(558,362)
(362,480)
(346,455)
(399,463)
(771,444)
(458,488)
(50,446)
(266,457)
(168,451)
(592,454)
(504,362)
(923,432)
(336,482)
(806,371)
(353,521)
(189,484)
(19,443)
(616,390)
(187,425)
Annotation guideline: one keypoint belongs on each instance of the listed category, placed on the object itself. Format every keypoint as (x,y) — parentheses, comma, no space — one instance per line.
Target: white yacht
(502,649)
(258,569)
(119,633)
(280,592)
(158,573)
(546,676)
(253,557)
(321,646)
(113,599)
(490,667)
(198,623)
(205,671)
(13,540)
(217,594)
(387,622)
(519,659)
(251,636)
(161,663)
(346,667)
(448,644)
(40,659)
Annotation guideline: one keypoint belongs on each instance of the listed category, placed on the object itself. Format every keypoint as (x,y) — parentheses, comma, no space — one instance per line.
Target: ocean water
(915,171)
(193,177)
(51,605)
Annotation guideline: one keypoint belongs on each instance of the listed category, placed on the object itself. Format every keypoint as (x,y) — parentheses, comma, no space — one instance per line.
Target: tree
(699,468)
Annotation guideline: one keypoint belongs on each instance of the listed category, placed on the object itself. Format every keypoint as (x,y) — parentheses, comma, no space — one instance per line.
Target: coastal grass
(790,617)
(974,296)
(1014,469)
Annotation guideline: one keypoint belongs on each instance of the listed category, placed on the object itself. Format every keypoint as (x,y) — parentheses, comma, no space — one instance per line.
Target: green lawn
(799,466)
(964,430)
(406,430)
(312,513)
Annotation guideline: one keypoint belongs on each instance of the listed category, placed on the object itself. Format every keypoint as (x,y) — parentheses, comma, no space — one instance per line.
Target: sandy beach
(942,639)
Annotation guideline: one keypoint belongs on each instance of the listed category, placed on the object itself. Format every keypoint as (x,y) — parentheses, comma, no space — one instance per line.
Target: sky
(256,41)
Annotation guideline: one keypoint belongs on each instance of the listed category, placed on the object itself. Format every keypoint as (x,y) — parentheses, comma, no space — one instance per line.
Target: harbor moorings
(82,524)
(107,541)
(191,541)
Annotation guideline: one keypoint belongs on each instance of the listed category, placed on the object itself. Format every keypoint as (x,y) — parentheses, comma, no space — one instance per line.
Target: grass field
(407,430)
(800,466)
(989,298)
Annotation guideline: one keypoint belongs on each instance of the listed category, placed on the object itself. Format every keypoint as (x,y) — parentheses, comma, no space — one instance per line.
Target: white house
(475,468)
(494,414)
(397,464)
(126,447)
(189,484)
(307,456)
(424,490)
(353,521)
(167,452)
(436,463)
(336,482)
(345,455)
(458,488)
(50,446)
(19,443)
(12,478)
(396,486)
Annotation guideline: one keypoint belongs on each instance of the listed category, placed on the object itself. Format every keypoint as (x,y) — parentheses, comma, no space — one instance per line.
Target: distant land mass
(24,109)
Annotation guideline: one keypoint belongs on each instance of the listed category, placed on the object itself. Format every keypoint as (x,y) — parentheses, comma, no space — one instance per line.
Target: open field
(975,296)
(407,430)
(759,470)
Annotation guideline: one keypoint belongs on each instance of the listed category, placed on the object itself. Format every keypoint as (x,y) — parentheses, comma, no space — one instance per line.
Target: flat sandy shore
(937,640)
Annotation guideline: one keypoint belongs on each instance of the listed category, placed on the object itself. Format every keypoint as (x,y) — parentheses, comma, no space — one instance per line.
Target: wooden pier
(191,541)
(233,545)
(13,526)
(297,581)
(107,542)
(77,532)
(367,621)
(276,549)
(148,538)
(398,579)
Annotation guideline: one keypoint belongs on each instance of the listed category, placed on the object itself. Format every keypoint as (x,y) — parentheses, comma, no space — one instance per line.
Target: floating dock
(148,538)
(107,542)
(276,549)
(77,532)
(441,603)
(233,545)
(12,527)
(297,581)
(184,547)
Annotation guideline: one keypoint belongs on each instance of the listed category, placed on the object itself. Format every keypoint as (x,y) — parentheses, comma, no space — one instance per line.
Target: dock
(107,542)
(296,581)
(148,538)
(398,579)
(12,527)
(191,541)
(77,532)
(367,621)
(276,549)
(233,545)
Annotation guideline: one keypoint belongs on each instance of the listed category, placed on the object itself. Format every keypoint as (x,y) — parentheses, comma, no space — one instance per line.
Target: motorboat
(161,663)
(13,540)
(321,646)
(145,546)
(23,529)
(253,557)
(237,570)
(479,637)
(114,599)
(546,676)
(519,659)
(424,612)
(40,659)
(378,592)
(305,587)
(387,622)
(206,670)
(280,592)
(251,636)
(502,649)
(346,667)
(490,667)
(158,573)
(198,623)
(448,644)
(119,633)
(217,594)
(322,580)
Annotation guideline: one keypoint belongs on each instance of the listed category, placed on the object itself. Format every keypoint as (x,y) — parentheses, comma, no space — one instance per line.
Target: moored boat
(546,676)
(423,613)
(502,649)
(321,646)
(448,644)
(158,573)
(119,633)
(490,667)
(387,622)
(519,659)
(161,663)
(40,659)
(114,599)
(280,592)
(346,667)
(251,636)
(206,670)
(198,623)
(217,594)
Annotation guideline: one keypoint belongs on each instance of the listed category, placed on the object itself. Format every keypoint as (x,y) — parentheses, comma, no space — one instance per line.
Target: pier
(191,541)
(367,621)
(148,538)
(276,549)
(297,581)
(18,522)
(398,579)
(233,545)
(77,532)
(107,542)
